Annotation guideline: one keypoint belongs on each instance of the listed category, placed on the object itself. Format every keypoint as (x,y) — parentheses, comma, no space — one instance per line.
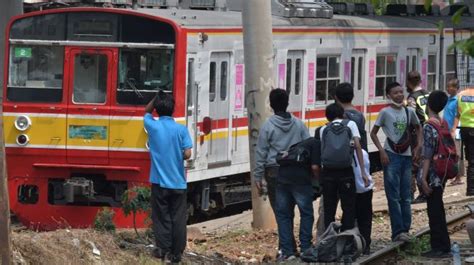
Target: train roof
(231,19)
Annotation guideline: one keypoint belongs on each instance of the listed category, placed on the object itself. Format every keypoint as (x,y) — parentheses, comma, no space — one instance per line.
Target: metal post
(258,52)
(9,9)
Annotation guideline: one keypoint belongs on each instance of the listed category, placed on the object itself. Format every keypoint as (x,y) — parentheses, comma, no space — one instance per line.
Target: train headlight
(22,123)
(22,139)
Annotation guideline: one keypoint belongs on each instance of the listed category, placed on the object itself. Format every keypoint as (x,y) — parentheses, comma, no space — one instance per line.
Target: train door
(89,85)
(219,105)
(294,80)
(191,104)
(411,61)
(357,78)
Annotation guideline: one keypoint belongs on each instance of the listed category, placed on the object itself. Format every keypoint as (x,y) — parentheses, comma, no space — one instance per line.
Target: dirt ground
(231,241)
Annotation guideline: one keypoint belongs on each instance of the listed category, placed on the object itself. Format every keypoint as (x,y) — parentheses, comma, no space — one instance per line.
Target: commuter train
(77,80)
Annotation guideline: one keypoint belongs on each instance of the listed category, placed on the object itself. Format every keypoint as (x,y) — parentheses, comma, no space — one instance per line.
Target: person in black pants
(170,144)
(432,184)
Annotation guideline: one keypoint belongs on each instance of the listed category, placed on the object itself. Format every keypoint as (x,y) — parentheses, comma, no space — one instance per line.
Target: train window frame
(385,75)
(212,81)
(431,72)
(150,78)
(298,75)
(36,82)
(335,78)
(289,64)
(450,70)
(224,84)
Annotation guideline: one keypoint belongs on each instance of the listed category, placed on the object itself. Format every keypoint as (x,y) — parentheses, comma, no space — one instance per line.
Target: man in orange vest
(465,115)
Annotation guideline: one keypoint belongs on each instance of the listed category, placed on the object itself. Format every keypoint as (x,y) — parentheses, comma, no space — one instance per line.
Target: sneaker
(160,253)
(402,237)
(420,199)
(436,254)
(284,258)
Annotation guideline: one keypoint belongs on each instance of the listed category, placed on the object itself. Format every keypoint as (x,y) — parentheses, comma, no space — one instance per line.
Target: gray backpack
(337,148)
(335,245)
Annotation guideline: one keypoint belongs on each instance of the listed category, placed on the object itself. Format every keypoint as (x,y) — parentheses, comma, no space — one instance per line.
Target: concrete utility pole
(8,8)
(258,53)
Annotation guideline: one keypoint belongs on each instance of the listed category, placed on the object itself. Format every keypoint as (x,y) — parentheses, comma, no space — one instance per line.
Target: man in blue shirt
(170,144)
(449,114)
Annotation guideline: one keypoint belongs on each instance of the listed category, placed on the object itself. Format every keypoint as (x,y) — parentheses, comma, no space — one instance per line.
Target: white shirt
(359,181)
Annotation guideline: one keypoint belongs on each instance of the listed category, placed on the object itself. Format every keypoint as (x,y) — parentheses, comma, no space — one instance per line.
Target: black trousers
(467,136)
(364,215)
(339,184)
(168,213)
(437,219)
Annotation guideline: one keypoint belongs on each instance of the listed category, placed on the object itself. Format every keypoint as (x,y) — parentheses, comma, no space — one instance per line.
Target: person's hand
(384,158)
(366,180)
(416,154)
(427,190)
(259,185)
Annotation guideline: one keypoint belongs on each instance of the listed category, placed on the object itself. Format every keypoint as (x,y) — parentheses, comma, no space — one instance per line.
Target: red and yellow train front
(76,84)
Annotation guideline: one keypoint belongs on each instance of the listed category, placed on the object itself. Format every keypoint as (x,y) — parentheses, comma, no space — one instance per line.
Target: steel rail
(390,249)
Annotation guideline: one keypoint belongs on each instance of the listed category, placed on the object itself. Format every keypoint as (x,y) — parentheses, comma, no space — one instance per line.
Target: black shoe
(174,259)
(366,251)
(160,253)
(420,199)
(436,254)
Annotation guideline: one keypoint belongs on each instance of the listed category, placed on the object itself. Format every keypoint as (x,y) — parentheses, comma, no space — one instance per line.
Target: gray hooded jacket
(277,134)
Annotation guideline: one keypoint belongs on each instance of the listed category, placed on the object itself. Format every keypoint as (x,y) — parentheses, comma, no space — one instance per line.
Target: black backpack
(337,149)
(297,154)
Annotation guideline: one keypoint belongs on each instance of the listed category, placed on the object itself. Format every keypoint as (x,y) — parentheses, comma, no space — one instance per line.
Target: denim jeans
(287,196)
(397,183)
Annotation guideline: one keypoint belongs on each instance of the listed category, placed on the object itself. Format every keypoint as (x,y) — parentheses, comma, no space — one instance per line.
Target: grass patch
(415,247)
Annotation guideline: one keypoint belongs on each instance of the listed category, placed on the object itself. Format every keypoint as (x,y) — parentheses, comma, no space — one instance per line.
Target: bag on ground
(336,145)
(335,245)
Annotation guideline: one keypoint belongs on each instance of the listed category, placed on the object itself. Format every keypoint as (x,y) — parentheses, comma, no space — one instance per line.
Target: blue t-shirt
(167,141)
(450,111)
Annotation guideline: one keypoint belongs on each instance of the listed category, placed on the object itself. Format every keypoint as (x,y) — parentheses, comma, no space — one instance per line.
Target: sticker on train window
(22,52)
(87,132)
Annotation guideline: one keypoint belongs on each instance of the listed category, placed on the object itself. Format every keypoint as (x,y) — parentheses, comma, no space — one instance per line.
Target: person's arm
(428,152)
(150,106)
(417,149)
(261,153)
(360,159)
(424,179)
(383,155)
(411,102)
(456,122)
(187,143)
(187,153)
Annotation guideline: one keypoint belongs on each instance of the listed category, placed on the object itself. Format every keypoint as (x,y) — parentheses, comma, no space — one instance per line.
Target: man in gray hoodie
(278,133)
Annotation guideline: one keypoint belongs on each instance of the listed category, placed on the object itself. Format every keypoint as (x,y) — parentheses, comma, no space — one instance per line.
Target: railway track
(457,231)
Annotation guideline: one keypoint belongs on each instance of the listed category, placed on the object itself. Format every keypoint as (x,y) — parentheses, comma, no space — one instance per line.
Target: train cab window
(212,82)
(386,73)
(142,72)
(90,78)
(224,80)
(35,74)
(431,72)
(450,67)
(327,77)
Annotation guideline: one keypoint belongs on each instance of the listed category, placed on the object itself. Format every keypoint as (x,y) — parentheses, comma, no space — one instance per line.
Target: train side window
(288,76)
(327,77)
(450,67)
(212,82)
(386,73)
(35,74)
(142,72)
(359,73)
(297,76)
(224,81)
(352,69)
(431,72)
(190,92)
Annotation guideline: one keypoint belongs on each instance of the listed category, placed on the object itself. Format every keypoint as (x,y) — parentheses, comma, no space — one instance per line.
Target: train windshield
(36,73)
(142,72)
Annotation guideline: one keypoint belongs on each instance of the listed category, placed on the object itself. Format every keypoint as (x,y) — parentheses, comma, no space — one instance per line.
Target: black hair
(453,83)
(437,101)
(414,78)
(390,86)
(334,111)
(344,92)
(164,104)
(279,100)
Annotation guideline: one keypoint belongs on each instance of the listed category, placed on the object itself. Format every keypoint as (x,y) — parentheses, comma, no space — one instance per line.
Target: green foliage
(135,200)
(104,220)
(415,247)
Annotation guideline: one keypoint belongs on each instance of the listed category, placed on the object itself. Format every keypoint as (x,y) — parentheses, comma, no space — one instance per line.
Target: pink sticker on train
(402,72)
(281,75)
(239,87)
(424,72)
(371,78)
(347,72)
(311,83)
